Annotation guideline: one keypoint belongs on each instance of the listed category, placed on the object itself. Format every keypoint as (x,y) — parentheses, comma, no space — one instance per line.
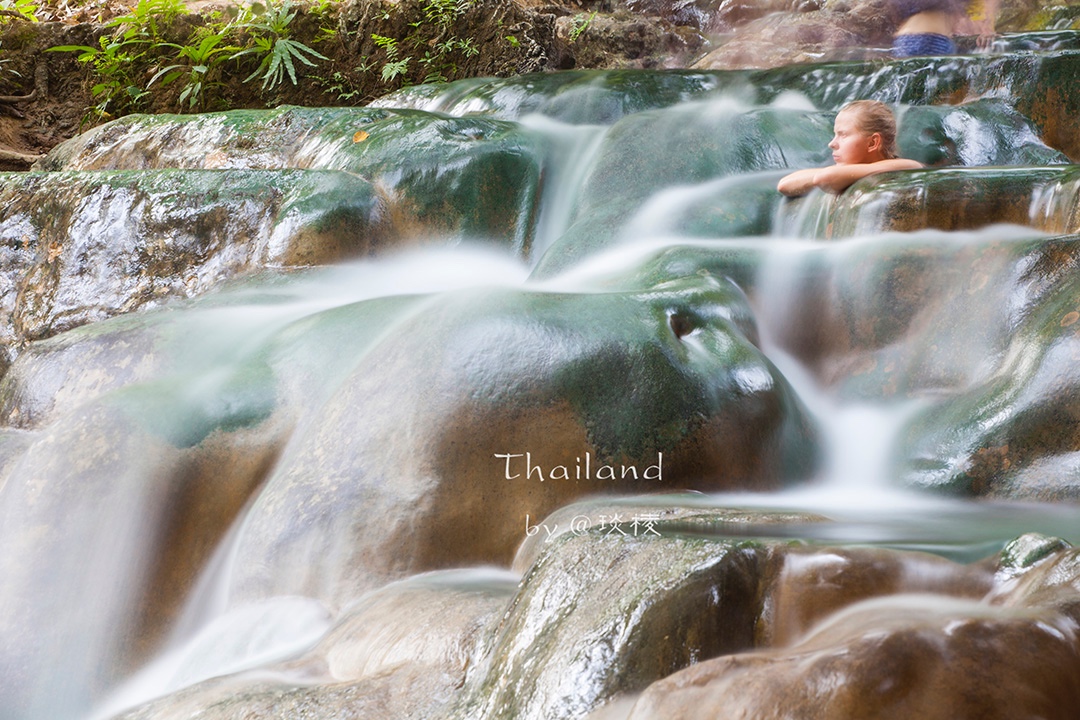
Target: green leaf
(392,69)
(71,48)
(168,73)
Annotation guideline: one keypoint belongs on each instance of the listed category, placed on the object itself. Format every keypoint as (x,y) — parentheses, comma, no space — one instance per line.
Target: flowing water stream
(260,477)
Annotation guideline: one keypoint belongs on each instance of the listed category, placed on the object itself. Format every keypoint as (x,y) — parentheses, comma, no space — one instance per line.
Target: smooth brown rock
(1015,654)
(914,656)
(434,620)
(806,585)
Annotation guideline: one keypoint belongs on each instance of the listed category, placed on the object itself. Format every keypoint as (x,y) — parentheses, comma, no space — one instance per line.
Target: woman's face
(850,144)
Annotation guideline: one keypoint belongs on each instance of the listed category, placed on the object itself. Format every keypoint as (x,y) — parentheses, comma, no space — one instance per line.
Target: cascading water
(672,431)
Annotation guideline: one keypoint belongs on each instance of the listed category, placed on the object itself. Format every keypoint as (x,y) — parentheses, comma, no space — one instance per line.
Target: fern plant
(433,43)
(394,65)
(270,30)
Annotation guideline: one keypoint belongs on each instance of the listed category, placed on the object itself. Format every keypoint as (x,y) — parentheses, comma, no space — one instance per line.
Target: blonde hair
(875,117)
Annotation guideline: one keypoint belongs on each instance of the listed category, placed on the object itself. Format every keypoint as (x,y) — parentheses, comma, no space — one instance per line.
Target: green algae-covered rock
(1014,436)
(237,139)
(474,177)
(956,199)
(1052,102)
(739,262)
(1039,86)
(1025,551)
(1046,34)
(82,246)
(978,329)
(980,132)
(1011,435)
(906,316)
(451,417)
(1055,17)
(225,360)
(464,177)
(53,375)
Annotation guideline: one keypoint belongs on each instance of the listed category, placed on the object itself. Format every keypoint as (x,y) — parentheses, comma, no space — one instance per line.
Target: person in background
(927,27)
(864,143)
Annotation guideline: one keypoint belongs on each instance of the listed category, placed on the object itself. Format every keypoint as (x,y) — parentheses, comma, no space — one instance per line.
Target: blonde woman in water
(864,143)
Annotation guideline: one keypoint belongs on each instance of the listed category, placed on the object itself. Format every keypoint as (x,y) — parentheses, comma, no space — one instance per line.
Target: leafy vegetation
(66,11)
(18,9)
(146,19)
(119,60)
(431,43)
(269,29)
(128,62)
(116,65)
(394,65)
(151,57)
(197,68)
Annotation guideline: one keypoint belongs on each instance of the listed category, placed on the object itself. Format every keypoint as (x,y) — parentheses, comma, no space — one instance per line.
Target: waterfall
(532,397)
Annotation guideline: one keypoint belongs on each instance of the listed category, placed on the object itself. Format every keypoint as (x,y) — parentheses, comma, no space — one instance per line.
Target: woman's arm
(797,183)
(837,178)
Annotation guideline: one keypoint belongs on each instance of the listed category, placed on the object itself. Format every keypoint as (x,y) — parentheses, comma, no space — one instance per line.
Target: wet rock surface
(632,609)
(931,657)
(607,607)
(81,247)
